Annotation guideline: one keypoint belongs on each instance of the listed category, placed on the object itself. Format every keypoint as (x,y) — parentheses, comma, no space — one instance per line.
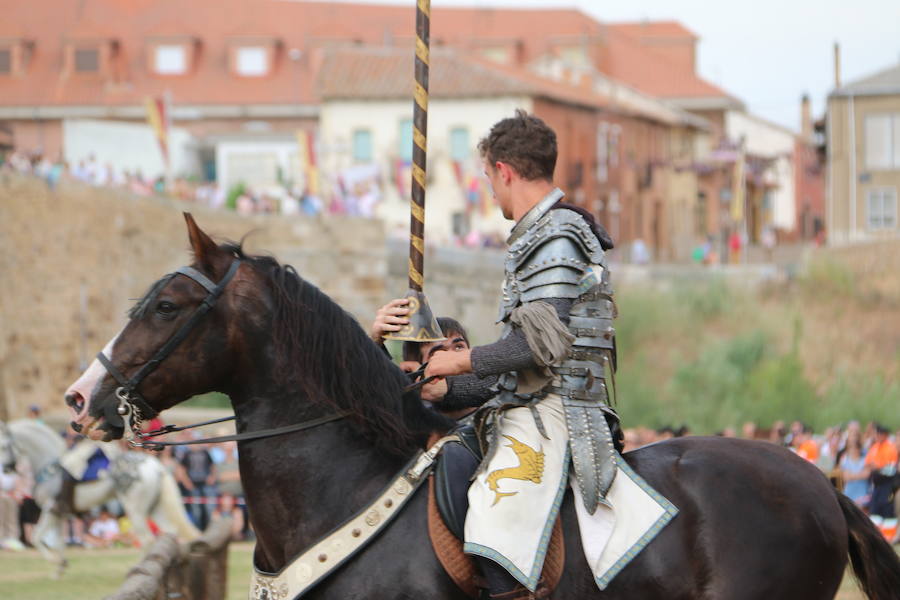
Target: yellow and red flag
(739,187)
(306,150)
(158,119)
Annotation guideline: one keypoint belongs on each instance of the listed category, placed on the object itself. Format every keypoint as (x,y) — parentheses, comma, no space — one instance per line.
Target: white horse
(138,480)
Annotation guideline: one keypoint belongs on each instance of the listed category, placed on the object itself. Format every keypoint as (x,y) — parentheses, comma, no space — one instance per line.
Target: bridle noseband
(132,407)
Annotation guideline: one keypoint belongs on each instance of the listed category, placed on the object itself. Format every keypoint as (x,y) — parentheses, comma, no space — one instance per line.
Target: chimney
(805,118)
(837,65)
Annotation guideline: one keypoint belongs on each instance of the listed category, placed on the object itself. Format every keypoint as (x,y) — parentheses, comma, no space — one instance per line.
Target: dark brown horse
(755,521)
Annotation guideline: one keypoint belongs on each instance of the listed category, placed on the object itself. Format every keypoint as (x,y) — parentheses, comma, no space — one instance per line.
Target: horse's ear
(205,250)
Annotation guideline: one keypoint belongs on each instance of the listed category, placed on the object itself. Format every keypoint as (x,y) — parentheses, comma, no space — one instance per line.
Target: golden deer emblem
(530,468)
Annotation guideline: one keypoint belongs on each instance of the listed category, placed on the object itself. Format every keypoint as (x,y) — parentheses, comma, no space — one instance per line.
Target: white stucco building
(127,147)
(775,145)
(365,140)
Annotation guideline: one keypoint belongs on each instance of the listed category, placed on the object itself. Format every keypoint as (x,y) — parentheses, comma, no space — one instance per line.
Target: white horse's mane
(34,436)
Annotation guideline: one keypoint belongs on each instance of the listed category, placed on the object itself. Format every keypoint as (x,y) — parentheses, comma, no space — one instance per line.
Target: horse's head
(7,449)
(177,344)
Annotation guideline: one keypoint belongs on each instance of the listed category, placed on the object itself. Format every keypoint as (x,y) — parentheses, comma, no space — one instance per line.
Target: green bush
(638,401)
(705,300)
(236,190)
(779,390)
(209,400)
(704,355)
(645,316)
(826,277)
(862,397)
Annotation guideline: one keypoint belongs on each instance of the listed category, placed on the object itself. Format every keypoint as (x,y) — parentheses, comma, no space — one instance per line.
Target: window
(362,146)
(170,59)
(881,208)
(87,60)
(882,141)
(602,152)
(460,223)
(405,140)
(576,174)
(459,144)
(252,61)
(700,216)
(574,55)
(498,54)
(615,138)
(14,55)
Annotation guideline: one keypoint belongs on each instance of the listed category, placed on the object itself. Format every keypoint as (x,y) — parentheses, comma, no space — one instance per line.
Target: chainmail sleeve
(466,391)
(512,353)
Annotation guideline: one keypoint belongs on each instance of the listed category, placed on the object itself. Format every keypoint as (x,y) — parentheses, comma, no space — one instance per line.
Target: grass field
(94,574)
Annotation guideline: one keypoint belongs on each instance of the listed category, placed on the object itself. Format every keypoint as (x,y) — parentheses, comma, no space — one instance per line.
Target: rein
(239,437)
(416,374)
(173,428)
(158,446)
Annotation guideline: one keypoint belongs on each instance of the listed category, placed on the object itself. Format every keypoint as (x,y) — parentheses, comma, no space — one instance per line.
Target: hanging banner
(306,152)
(158,119)
(739,187)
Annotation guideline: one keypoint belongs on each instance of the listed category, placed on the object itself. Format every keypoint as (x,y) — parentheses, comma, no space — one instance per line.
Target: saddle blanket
(514,502)
(86,459)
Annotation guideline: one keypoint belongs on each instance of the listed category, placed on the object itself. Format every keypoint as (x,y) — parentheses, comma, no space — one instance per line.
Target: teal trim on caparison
(670,512)
(530,581)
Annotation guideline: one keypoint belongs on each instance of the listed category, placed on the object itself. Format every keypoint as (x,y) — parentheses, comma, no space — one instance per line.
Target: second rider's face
(454,343)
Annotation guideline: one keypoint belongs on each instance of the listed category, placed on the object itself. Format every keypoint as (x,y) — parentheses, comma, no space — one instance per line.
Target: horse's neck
(39,449)
(307,482)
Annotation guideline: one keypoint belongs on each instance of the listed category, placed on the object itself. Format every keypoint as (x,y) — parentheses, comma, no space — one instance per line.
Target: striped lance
(422,325)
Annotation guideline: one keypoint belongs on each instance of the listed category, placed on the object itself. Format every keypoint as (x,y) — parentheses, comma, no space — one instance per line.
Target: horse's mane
(324,353)
(37,431)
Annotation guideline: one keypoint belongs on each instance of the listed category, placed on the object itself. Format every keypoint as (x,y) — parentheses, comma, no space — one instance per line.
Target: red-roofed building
(245,76)
(366,116)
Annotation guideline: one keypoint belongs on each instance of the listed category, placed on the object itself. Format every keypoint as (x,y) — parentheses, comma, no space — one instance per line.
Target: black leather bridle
(132,407)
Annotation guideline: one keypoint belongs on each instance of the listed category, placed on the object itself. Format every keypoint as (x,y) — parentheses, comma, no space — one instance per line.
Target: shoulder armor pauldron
(550,260)
(555,224)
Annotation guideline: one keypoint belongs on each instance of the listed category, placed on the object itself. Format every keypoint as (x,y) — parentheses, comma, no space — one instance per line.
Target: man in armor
(554,358)
(84,462)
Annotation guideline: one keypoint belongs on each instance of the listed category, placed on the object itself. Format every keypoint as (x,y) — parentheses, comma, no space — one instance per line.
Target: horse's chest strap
(319,560)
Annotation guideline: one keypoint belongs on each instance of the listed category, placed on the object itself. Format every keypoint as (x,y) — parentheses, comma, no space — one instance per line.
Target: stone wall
(74,260)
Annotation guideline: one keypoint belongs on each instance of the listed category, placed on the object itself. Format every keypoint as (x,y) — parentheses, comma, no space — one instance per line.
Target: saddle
(446,525)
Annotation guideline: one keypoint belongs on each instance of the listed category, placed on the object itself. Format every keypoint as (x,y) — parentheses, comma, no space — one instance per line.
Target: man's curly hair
(525,143)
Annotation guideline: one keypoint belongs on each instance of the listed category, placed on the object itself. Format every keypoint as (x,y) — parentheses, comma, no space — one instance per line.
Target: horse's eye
(166,309)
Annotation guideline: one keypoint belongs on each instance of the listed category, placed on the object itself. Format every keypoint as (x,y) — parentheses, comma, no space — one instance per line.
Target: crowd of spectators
(861,462)
(240,198)
(207,476)
(210,481)
(350,198)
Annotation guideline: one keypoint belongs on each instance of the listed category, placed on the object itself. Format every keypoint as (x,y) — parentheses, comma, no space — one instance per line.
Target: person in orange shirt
(882,458)
(806,447)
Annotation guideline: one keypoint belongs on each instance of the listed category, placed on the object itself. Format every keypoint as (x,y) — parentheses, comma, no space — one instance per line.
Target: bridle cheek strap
(127,393)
